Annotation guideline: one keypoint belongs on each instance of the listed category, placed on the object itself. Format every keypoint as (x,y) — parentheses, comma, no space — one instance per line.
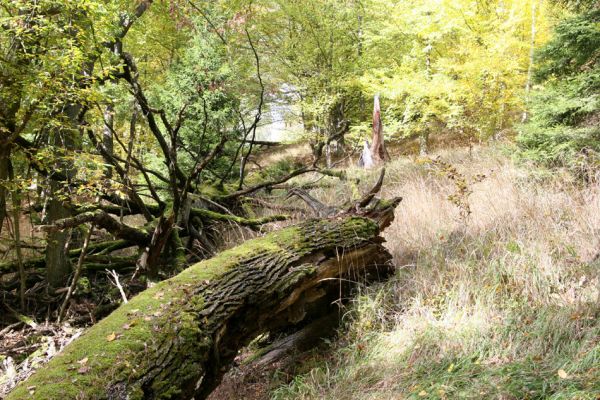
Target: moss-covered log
(176,339)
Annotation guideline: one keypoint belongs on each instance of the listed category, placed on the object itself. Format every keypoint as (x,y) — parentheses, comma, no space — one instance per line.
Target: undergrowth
(501,305)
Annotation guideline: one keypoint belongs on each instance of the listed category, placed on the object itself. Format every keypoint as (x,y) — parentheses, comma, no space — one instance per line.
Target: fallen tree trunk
(306,338)
(177,339)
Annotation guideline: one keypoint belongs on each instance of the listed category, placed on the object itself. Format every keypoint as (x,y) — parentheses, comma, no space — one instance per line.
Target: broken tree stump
(378,151)
(177,339)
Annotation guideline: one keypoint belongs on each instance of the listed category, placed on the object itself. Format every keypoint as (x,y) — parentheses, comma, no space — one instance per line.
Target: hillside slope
(499,304)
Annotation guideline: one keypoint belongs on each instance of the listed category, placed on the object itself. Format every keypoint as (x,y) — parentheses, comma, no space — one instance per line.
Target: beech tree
(454,67)
(129,112)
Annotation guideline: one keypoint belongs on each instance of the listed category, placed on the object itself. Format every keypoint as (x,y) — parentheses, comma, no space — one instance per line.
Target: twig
(78,268)
(114,278)
(17,235)
(273,206)
(208,20)
(20,317)
(263,185)
(258,115)
(9,328)
(366,199)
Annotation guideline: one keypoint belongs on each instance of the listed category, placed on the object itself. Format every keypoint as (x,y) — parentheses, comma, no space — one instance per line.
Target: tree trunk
(107,135)
(534,5)
(4,166)
(149,260)
(378,152)
(424,143)
(16,204)
(359,50)
(366,159)
(58,266)
(304,339)
(177,339)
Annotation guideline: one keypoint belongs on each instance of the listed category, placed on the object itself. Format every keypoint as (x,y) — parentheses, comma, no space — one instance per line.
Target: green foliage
(47,45)
(453,66)
(313,51)
(198,88)
(449,66)
(573,49)
(563,130)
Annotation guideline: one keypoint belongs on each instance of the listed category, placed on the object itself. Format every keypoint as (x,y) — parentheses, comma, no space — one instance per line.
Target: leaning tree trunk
(534,6)
(177,339)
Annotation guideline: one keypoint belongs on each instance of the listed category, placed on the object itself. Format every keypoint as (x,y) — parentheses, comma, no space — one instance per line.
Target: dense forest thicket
(138,138)
(564,129)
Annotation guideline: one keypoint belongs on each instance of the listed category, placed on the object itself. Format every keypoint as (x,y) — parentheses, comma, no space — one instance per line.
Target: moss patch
(128,345)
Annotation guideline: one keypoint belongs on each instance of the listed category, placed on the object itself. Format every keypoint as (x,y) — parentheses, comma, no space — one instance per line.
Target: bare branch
(273,206)
(78,268)
(258,114)
(114,278)
(103,220)
(130,76)
(371,193)
(263,185)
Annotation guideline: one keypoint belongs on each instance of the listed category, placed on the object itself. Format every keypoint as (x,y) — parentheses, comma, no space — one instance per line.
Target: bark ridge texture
(176,339)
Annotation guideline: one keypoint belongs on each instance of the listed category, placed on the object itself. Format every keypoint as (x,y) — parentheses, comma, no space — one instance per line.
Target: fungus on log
(177,339)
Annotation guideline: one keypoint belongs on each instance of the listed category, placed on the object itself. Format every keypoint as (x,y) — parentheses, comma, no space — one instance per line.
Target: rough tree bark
(176,339)
(107,135)
(58,267)
(57,261)
(378,152)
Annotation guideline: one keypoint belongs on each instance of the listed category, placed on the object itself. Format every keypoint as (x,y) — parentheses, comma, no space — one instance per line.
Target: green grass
(502,305)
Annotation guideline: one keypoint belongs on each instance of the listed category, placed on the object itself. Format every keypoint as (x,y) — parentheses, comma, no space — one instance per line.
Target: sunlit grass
(502,305)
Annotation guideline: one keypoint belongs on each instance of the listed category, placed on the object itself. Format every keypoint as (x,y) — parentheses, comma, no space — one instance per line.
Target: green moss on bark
(162,342)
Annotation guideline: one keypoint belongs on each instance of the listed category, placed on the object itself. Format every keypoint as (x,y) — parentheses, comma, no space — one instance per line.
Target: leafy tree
(313,48)
(563,130)
(453,66)
(50,50)
(115,111)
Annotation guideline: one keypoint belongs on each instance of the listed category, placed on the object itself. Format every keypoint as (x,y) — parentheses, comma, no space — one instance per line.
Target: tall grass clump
(500,304)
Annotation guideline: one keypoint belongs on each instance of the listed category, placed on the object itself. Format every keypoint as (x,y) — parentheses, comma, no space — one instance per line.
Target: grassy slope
(503,305)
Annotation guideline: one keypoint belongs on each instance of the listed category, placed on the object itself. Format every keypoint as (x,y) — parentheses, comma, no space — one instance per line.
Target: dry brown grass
(502,304)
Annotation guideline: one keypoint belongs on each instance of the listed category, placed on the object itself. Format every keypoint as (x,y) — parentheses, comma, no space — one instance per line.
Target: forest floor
(496,295)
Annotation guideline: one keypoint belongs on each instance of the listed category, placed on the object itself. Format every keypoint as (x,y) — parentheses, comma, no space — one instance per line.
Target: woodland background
(137,138)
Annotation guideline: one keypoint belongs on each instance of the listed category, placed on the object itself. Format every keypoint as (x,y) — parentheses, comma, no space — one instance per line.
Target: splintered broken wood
(177,339)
